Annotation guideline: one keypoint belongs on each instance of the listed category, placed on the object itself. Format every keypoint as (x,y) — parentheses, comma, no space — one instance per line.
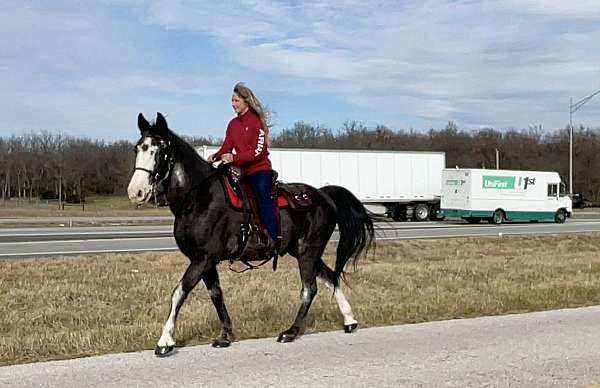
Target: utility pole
(572,109)
(497,159)
(571,147)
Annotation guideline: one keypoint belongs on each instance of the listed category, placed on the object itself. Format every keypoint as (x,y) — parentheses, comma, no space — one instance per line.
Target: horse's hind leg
(211,279)
(308,277)
(190,278)
(327,276)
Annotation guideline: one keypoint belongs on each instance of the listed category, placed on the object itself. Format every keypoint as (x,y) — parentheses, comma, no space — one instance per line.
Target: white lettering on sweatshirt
(261,142)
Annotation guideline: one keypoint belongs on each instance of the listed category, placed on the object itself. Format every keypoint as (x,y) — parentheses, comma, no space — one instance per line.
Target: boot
(272,248)
(273,251)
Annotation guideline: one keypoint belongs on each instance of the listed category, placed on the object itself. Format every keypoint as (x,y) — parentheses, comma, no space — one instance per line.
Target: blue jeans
(262,183)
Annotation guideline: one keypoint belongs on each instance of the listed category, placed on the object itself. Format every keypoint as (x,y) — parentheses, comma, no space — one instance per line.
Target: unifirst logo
(261,142)
(496,184)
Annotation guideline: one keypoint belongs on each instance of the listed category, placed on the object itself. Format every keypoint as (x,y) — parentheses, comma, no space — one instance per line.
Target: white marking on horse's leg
(305,294)
(166,338)
(342,302)
(344,307)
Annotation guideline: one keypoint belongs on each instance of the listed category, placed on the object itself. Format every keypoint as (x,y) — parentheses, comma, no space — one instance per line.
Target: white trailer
(399,184)
(504,195)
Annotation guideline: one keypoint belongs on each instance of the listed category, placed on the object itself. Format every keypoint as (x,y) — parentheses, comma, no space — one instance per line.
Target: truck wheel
(498,217)
(560,216)
(421,212)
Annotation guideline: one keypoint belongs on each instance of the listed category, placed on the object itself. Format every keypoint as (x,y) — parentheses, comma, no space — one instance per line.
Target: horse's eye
(145,147)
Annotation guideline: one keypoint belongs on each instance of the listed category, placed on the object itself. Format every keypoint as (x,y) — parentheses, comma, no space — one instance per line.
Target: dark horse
(207,229)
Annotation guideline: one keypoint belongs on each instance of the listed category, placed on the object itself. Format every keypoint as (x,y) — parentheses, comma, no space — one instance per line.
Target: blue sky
(86,68)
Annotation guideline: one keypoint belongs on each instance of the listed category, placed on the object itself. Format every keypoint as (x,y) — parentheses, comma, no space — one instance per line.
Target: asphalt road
(83,220)
(65,221)
(545,349)
(28,242)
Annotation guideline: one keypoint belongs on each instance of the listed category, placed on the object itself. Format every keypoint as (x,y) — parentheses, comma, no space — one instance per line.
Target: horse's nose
(140,194)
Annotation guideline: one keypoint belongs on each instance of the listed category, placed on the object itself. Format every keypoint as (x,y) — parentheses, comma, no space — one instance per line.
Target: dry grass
(70,307)
(95,206)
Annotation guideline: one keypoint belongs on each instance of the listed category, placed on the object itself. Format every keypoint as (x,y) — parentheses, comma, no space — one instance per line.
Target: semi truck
(399,184)
(504,195)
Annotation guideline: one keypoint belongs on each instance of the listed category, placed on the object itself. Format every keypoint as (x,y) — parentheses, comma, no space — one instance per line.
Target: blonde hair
(253,103)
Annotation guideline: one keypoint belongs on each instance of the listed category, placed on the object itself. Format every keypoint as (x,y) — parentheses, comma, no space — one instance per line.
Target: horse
(207,230)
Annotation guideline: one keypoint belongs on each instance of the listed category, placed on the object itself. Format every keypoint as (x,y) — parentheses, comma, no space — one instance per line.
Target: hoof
(163,351)
(221,342)
(286,337)
(350,328)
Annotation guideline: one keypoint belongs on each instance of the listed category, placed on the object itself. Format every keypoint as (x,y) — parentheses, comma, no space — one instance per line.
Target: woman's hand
(227,158)
(211,158)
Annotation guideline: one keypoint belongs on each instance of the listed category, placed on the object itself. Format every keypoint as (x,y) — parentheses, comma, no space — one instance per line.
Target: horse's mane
(196,167)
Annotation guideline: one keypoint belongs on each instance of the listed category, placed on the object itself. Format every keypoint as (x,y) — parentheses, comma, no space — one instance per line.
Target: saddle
(285,195)
(240,197)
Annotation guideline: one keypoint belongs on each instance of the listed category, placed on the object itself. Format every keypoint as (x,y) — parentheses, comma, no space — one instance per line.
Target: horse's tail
(355,228)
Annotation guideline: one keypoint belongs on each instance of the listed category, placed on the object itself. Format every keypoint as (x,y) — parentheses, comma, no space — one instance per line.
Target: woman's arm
(225,148)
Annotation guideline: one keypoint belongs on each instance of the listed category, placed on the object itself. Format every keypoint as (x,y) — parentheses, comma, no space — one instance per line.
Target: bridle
(164,161)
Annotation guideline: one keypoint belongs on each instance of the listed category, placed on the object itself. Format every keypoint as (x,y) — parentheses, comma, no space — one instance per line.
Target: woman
(247,134)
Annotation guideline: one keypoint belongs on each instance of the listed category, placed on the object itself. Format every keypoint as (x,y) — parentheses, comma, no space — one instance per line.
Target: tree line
(54,166)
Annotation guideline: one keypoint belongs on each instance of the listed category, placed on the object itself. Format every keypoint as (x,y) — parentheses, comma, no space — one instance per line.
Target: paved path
(546,349)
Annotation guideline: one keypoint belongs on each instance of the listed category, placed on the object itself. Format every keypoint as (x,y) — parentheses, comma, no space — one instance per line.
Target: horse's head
(153,160)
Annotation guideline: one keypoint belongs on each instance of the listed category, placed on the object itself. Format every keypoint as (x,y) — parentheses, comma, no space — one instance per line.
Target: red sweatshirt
(246,136)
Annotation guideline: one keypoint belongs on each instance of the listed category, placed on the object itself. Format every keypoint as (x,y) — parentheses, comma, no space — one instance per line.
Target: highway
(50,241)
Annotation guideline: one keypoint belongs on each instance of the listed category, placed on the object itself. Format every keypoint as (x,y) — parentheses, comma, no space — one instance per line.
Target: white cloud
(580,9)
(439,60)
(509,63)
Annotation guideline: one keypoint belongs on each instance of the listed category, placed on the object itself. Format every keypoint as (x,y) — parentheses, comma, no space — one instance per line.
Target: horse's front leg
(211,279)
(190,278)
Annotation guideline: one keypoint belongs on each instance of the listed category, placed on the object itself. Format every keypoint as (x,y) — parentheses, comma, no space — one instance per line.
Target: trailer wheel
(498,217)
(560,216)
(421,212)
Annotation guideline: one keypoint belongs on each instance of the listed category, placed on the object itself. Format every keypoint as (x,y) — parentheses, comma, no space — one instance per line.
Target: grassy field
(95,206)
(70,307)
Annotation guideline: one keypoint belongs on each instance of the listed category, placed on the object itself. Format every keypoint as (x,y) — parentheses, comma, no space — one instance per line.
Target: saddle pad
(236,202)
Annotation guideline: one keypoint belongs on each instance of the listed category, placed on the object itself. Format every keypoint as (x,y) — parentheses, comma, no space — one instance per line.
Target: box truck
(398,184)
(504,195)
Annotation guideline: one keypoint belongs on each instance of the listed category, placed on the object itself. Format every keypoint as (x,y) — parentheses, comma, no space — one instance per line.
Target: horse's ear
(143,124)
(162,128)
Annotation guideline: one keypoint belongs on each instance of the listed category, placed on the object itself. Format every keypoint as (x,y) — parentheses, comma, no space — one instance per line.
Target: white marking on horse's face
(139,186)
